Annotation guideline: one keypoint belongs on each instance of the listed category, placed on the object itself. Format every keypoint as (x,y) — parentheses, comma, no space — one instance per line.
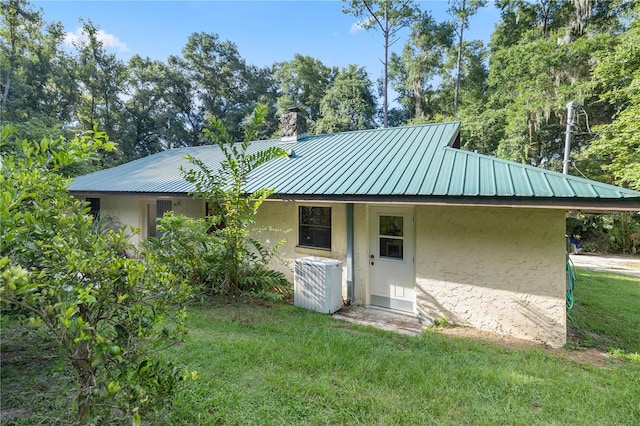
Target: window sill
(311,250)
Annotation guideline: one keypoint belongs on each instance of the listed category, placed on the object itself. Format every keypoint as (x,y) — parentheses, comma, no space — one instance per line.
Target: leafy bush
(110,314)
(187,249)
(239,262)
(195,250)
(610,233)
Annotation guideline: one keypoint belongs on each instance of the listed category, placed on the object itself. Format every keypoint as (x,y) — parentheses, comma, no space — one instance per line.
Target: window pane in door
(391,248)
(391,226)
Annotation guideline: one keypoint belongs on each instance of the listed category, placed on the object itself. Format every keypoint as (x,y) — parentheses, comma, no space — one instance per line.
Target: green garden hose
(571,277)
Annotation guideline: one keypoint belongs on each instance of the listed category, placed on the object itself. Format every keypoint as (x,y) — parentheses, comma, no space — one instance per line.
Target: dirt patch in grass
(593,356)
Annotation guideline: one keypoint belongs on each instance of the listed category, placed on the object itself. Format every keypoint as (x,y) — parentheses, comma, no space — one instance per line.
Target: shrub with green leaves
(194,250)
(242,261)
(110,313)
(607,233)
(187,248)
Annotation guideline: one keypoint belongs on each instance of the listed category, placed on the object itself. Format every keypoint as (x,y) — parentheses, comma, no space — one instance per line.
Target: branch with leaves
(111,314)
(226,189)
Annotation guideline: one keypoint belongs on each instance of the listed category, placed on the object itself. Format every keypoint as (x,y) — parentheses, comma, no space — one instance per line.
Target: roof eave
(574,203)
(596,204)
(87,193)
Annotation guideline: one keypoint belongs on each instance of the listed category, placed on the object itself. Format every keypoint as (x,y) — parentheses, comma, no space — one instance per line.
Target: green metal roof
(405,164)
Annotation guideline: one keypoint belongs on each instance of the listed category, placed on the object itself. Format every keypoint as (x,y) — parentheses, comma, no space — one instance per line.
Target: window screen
(314,227)
(94,206)
(155,212)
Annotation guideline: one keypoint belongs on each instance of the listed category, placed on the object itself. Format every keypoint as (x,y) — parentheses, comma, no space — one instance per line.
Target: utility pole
(571,113)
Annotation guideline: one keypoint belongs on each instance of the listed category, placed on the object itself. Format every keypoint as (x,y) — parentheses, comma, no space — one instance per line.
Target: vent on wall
(318,284)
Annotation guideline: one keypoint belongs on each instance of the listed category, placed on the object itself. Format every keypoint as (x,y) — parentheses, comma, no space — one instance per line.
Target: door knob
(372,256)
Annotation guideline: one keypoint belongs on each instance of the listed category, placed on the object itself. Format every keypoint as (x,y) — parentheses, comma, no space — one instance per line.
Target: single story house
(420,225)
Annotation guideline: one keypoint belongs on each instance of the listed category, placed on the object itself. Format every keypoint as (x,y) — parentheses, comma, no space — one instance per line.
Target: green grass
(35,379)
(278,364)
(606,314)
(282,365)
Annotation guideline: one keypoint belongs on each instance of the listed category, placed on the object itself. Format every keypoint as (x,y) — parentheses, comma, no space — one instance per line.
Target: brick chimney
(294,126)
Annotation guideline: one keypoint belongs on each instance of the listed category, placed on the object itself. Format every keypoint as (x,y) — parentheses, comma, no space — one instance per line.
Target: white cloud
(109,41)
(357,27)
(360,25)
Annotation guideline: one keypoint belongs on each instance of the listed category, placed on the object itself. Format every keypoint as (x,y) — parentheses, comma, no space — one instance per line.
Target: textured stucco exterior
(126,210)
(361,254)
(492,268)
(495,269)
(132,210)
(278,220)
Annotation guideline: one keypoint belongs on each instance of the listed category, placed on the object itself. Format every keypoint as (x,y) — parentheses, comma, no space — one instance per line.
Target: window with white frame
(314,227)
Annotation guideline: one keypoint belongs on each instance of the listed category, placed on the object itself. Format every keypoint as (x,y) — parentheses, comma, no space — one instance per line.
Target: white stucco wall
(188,207)
(125,209)
(132,211)
(275,221)
(495,269)
(278,220)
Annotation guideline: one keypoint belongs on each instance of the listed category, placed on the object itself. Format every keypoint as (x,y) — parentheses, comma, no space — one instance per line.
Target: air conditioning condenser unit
(317,284)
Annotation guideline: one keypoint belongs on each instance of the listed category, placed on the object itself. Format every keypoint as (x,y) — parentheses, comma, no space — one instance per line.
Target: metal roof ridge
(388,129)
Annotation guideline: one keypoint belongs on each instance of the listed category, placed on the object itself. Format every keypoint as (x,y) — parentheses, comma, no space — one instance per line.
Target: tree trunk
(5,95)
(86,380)
(12,59)
(81,360)
(417,96)
(456,96)
(385,78)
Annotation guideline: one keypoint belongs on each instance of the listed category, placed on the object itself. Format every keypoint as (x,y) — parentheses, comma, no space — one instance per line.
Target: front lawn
(278,364)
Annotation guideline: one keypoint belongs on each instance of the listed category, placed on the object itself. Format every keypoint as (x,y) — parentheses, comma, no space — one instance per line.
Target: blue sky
(264,31)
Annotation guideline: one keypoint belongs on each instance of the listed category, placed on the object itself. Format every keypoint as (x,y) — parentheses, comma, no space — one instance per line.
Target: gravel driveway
(628,265)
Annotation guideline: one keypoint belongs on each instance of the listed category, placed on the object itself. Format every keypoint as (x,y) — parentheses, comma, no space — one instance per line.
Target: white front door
(392,274)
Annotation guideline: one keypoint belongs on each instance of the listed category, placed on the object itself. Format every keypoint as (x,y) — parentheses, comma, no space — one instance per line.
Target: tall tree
(478,123)
(147,115)
(37,86)
(463,11)
(412,73)
(262,90)
(389,17)
(618,74)
(101,77)
(182,95)
(302,83)
(16,18)
(349,104)
(219,80)
(535,70)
